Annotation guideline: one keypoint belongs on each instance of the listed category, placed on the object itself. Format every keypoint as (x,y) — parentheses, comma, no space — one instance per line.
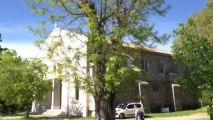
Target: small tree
(22,81)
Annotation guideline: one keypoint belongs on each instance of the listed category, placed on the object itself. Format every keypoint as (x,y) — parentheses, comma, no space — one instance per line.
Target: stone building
(158,87)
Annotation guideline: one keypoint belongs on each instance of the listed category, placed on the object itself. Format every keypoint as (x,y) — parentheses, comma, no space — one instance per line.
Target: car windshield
(123,105)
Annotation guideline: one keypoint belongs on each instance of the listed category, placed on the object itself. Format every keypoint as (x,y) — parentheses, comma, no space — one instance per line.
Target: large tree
(194,48)
(106,23)
(22,81)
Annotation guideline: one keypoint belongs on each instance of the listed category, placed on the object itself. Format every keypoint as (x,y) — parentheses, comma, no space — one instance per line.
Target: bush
(9,109)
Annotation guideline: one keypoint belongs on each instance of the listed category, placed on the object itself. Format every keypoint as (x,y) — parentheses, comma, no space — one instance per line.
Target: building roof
(148,49)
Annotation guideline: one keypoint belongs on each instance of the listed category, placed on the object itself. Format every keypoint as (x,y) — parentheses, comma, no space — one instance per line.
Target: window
(173,67)
(138,105)
(161,69)
(129,62)
(144,64)
(130,106)
(77,93)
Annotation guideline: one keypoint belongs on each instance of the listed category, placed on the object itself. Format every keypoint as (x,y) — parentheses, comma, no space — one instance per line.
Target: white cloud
(17,37)
(23,50)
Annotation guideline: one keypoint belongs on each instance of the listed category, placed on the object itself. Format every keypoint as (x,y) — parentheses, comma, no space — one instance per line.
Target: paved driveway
(198,116)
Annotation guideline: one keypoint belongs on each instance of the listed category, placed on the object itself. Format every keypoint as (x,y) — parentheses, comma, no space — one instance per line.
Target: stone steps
(53,112)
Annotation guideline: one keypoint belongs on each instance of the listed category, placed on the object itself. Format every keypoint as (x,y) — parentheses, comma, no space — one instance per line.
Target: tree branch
(63,5)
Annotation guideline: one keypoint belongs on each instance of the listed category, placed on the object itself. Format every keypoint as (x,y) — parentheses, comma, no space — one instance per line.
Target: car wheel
(121,116)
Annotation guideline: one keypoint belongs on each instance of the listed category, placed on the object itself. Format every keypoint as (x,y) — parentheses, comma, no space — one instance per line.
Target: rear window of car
(138,105)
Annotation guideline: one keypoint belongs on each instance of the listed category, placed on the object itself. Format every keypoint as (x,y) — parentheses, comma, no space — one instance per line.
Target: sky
(15,17)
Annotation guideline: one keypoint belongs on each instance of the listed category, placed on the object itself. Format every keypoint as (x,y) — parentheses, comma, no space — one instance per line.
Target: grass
(67,118)
(40,117)
(178,113)
(19,116)
(15,114)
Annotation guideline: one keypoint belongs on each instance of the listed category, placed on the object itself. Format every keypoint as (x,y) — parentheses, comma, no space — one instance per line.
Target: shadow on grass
(41,117)
(58,118)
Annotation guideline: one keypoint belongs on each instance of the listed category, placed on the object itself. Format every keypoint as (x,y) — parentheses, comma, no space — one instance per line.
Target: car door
(130,110)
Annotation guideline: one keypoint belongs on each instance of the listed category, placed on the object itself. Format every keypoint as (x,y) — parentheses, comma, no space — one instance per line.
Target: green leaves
(193,47)
(95,58)
(41,11)
(22,81)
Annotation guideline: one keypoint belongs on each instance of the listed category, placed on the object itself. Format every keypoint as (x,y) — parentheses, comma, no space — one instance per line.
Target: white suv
(127,110)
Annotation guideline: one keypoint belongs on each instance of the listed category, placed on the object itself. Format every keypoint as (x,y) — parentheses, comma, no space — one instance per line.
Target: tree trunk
(97,109)
(27,112)
(104,109)
(211,116)
(107,111)
(210,112)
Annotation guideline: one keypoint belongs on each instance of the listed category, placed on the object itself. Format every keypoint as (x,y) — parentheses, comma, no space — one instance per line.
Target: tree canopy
(22,81)
(107,24)
(204,21)
(194,48)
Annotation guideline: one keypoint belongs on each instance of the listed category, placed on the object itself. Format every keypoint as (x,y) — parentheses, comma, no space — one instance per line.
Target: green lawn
(17,114)
(40,117)
(178,113)
(151,115)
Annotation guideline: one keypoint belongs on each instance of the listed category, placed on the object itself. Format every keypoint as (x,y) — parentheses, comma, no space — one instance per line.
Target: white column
(53,85)
(139,87)
(64,97)
(173,94)
(68,97)
(33,109)
(85,111)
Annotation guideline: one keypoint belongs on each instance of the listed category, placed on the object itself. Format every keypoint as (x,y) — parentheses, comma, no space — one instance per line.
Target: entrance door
(57,94)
